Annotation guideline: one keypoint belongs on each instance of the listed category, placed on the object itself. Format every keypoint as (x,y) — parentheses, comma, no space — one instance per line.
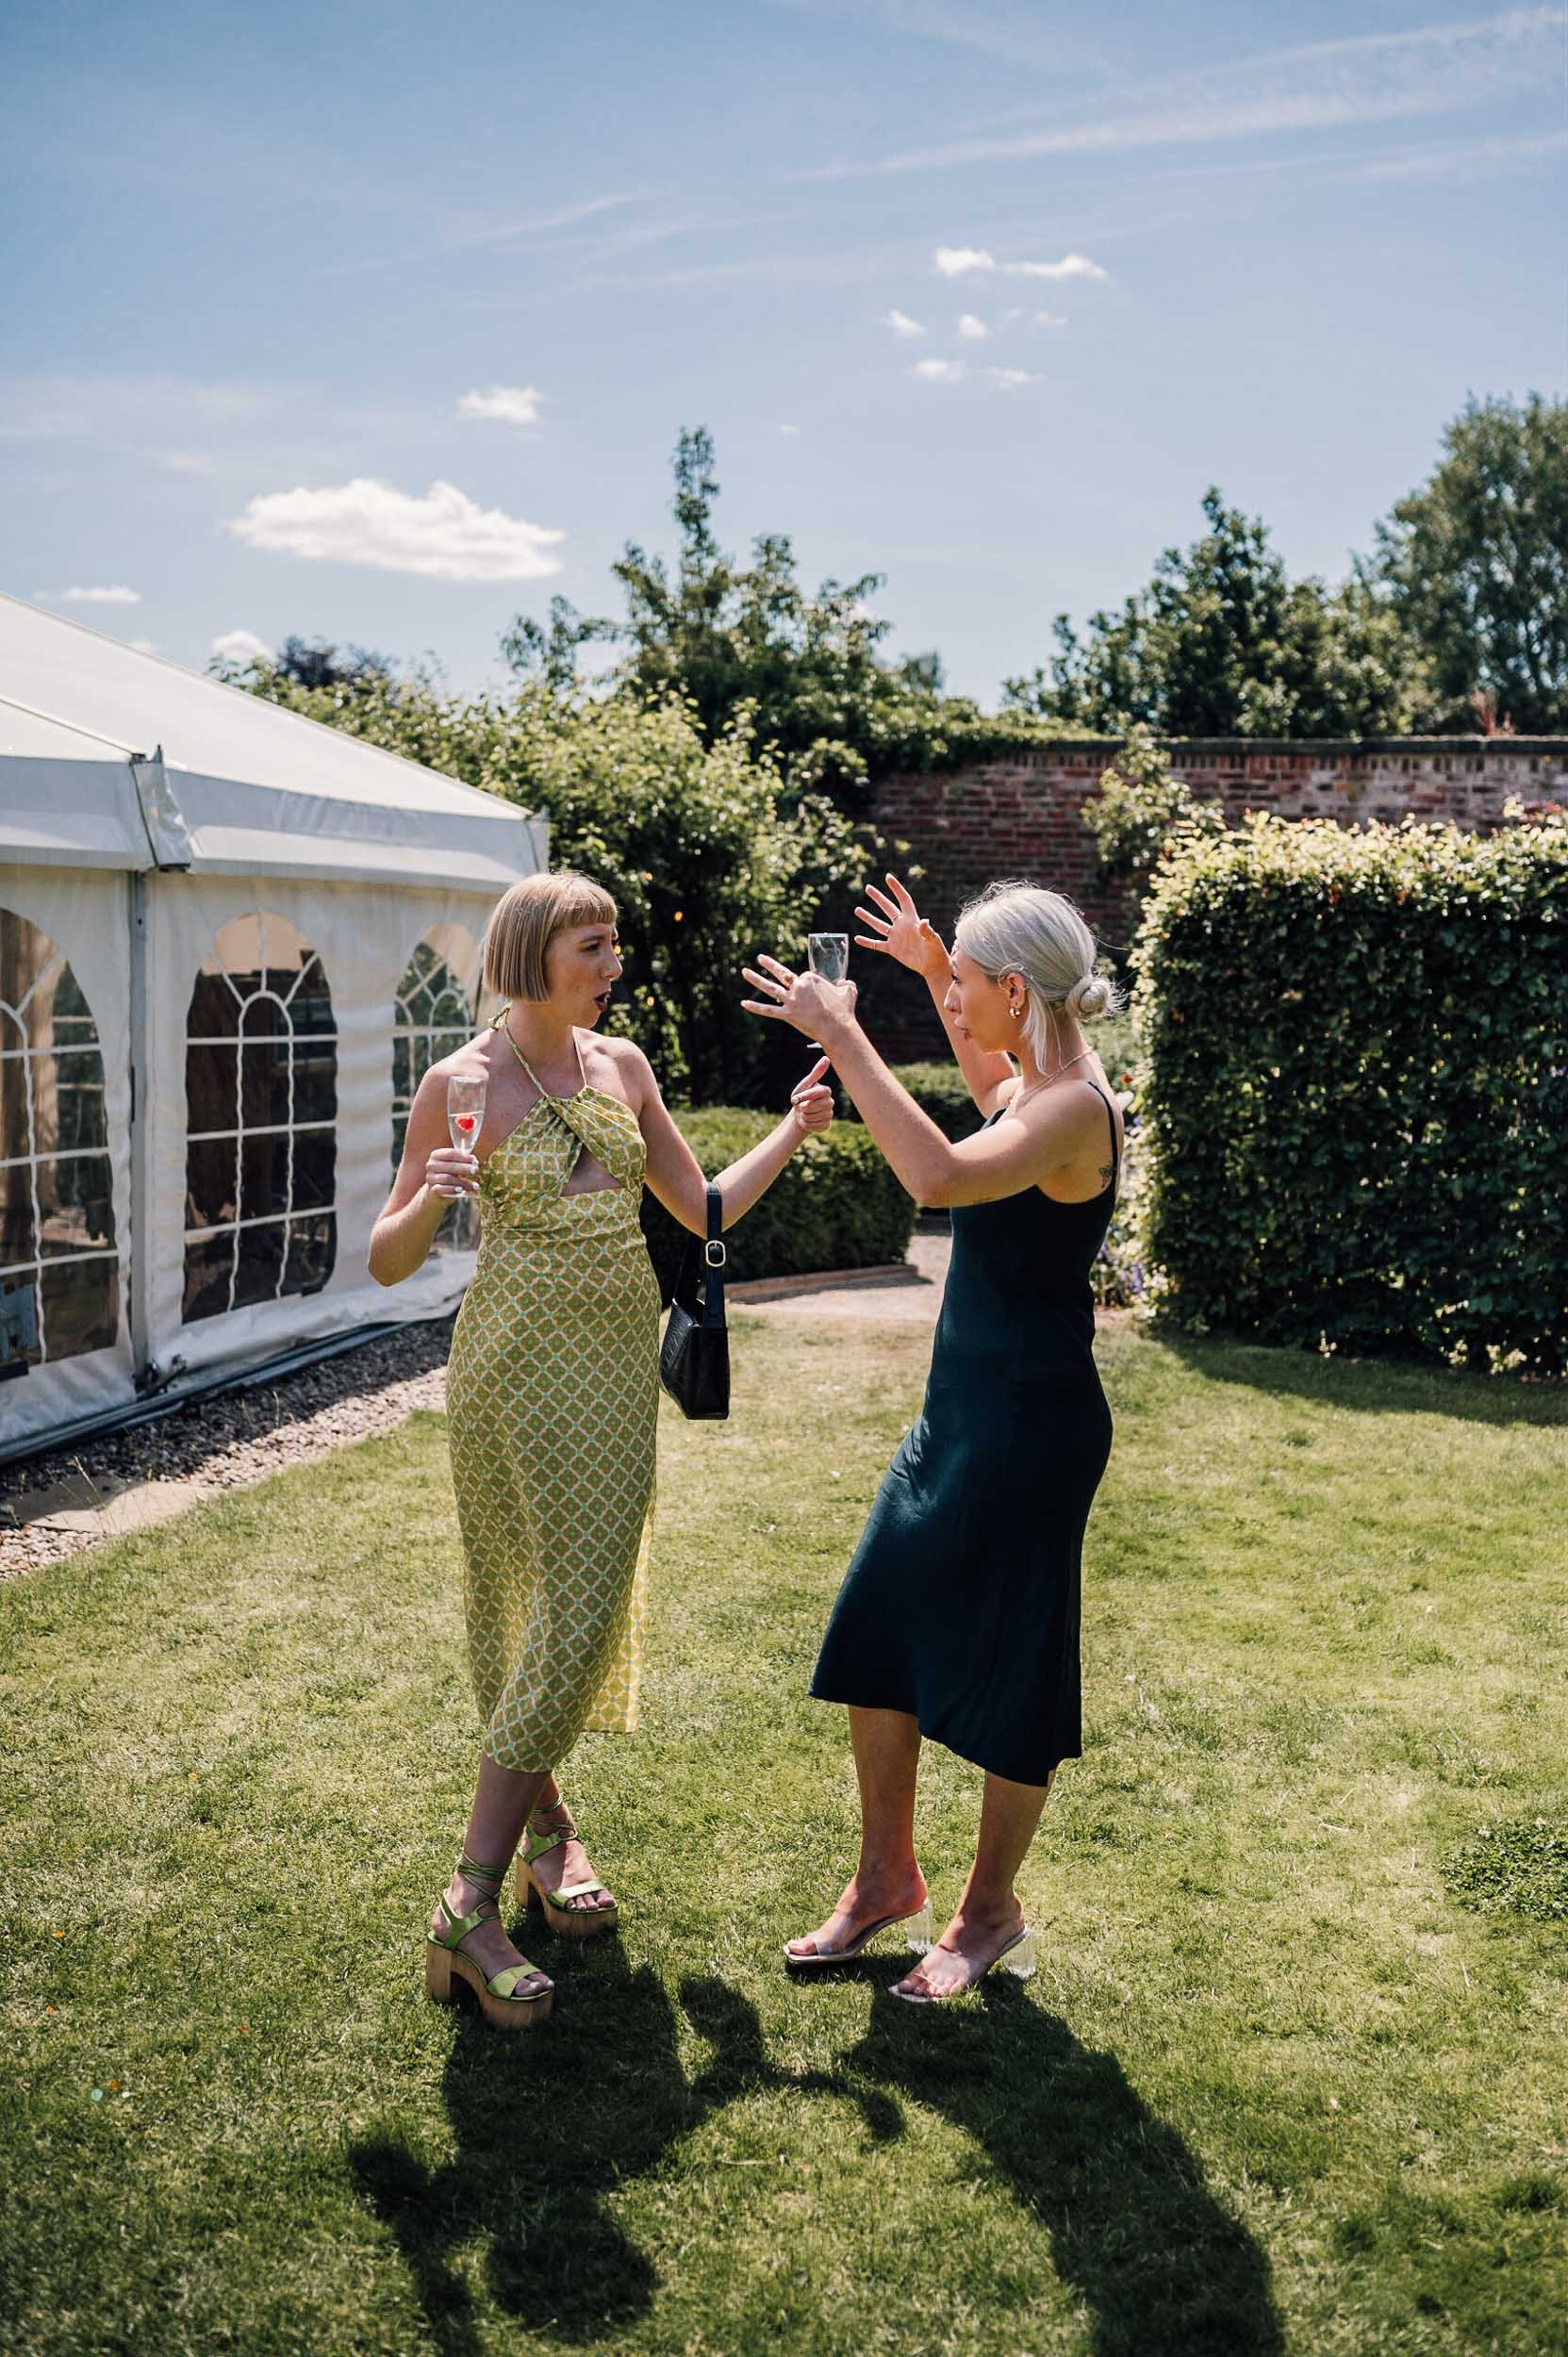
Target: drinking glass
(828,954)
(465,1113)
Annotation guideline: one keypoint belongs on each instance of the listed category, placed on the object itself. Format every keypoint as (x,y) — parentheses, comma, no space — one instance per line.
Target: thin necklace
(1052,1078)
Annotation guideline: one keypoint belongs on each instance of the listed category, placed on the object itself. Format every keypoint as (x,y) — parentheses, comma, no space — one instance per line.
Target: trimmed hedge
(834,1205)
(938,1089)
(1357,1089)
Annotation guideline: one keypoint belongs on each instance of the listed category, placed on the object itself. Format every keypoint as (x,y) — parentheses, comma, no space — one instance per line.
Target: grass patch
(1274,2089)
(1513,1870)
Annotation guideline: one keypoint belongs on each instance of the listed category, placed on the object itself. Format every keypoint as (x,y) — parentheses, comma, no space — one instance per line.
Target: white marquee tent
(230,943)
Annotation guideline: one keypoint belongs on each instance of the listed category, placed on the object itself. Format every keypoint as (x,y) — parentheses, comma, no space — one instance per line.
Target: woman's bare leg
(887,1880)
(502,1800)
(989,1914)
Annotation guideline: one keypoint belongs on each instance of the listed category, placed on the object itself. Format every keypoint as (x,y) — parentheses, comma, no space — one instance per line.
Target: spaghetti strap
(499,1023)
(1115,1138)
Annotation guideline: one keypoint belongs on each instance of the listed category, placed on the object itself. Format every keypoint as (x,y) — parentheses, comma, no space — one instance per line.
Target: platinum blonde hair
(1016,928)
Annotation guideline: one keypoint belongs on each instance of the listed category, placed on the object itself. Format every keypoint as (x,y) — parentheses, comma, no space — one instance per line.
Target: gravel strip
(222,1443)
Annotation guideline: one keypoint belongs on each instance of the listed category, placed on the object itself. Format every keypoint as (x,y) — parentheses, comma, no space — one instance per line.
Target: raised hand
(811,1102)
(900,931)
(806,1000)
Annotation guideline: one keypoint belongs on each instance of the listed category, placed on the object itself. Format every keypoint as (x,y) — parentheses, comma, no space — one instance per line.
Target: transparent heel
(1020,1959)
(919,1932)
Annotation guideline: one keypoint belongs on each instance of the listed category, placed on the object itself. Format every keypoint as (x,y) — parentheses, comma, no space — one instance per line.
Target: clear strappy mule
(916,1939)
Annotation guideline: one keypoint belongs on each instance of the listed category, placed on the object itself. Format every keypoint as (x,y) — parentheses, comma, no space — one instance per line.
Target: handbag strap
(716,1254)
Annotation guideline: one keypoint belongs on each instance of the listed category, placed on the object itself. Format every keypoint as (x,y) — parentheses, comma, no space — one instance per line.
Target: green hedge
(835,1204)
(1357,1089)
(940,1090)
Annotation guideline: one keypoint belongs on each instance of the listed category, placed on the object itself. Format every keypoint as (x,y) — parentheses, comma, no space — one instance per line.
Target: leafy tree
(1139,809)
(1221,643)
(318,663)
(744,645)
(1477,565)
(711,855)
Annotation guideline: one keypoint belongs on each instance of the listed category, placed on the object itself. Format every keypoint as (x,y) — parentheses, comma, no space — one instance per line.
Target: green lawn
(1274,2088)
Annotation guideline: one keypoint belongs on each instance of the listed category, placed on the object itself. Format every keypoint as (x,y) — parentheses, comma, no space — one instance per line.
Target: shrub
(710,855)
(1357,1088)
(1137,809)
(940,1090)
(834,1205)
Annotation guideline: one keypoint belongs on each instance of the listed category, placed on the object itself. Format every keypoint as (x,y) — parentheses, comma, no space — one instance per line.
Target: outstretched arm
(897,929)
(675,1173)
(1018,1153)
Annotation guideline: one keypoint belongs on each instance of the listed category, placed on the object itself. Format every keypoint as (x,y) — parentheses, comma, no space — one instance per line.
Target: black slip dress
(961,1605)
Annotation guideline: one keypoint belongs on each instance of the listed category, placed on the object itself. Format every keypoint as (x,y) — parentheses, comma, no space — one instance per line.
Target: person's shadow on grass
(1163,2267)
(550,2122)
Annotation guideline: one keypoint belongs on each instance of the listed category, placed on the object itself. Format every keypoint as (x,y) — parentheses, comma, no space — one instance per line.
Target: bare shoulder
(473,1057)
(622,1058)
(469,1059)
(997,1099)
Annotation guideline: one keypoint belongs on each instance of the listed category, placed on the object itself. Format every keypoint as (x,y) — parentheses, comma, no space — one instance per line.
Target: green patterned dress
(552,1405)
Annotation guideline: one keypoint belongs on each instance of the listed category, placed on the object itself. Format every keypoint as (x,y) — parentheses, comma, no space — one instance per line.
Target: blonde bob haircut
(1022,929)
(526,921)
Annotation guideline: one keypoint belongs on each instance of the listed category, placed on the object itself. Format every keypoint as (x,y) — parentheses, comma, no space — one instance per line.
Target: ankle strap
(472,1871)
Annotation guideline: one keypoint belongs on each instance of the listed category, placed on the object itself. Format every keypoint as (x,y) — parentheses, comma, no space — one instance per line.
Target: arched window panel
(60,1260)
(261,1113)
(433,1015)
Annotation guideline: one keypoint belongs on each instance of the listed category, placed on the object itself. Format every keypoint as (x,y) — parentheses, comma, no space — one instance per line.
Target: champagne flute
(828,954)
(465,1113)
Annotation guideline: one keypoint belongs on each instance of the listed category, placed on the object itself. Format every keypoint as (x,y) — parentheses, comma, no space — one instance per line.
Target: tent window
(59,1263)
(431,1016)
(261,1113)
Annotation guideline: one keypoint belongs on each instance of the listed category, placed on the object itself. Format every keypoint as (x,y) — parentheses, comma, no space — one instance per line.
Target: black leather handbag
(694,1364)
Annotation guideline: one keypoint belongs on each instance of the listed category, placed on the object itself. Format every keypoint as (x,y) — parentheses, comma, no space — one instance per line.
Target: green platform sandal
(569,1921)
(444,1960)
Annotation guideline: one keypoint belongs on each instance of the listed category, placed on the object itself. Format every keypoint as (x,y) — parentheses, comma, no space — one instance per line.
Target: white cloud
(444,535)
(791,430)
(974,261)
(940,371)
(963,261)
(971,328)
(1009,379)
(1364,77)
(901,325)
(118,594)
(1451,160)
(1049,318)
(142,646)
(242,646)
(1071,266)
(509,404)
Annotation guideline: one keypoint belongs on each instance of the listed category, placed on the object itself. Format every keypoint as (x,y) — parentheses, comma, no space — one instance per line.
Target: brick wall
(1021,815)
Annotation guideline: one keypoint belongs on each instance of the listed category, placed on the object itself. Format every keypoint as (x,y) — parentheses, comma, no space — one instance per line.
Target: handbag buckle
(715,1252)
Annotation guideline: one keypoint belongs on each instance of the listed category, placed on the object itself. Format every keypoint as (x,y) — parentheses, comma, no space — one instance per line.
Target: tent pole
(142,1141)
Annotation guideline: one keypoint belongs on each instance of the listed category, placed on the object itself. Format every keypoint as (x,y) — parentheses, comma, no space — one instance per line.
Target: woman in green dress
(551,1396)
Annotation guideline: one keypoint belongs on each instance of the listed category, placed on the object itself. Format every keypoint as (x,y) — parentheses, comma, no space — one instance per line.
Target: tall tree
(1476,564)
(746,644)
(1222,643)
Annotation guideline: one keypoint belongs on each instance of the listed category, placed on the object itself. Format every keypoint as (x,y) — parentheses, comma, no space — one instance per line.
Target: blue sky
(379,324)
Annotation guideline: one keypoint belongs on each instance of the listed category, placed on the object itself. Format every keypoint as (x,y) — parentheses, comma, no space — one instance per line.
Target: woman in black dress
(958,1618)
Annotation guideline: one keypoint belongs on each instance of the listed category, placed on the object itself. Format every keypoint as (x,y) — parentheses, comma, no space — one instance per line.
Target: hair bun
(1089,998)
